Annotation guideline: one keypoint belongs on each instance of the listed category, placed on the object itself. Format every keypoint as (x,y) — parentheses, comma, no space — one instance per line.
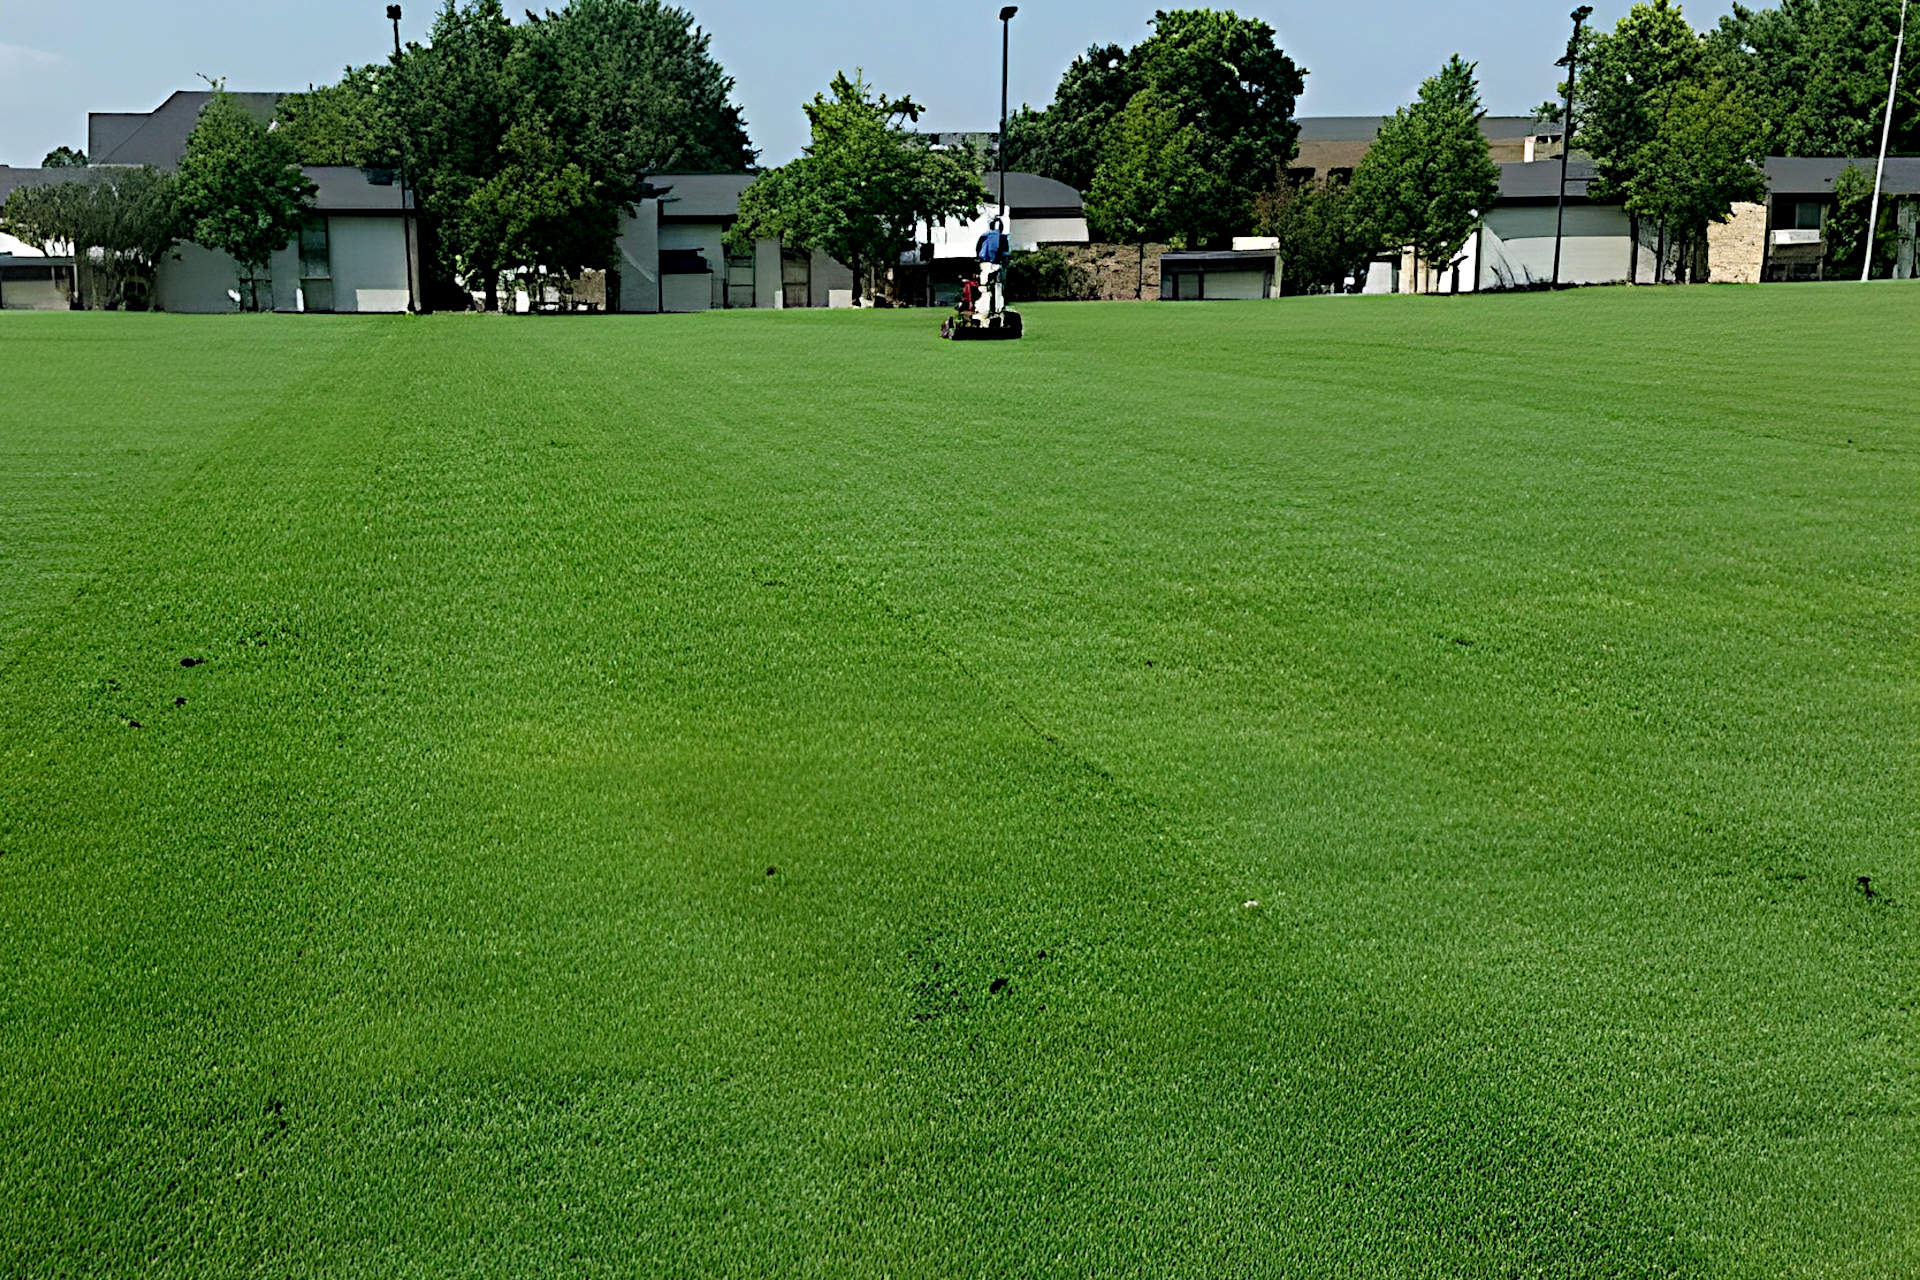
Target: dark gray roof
(1365,128)
(12,180)
(1029,192)
(700,195)
(162,139)
(108,129)
(1541,180)
(717,195)
(1814,175)
(344,189)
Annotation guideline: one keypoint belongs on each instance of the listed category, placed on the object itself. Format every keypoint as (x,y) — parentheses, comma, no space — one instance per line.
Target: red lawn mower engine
(982,313)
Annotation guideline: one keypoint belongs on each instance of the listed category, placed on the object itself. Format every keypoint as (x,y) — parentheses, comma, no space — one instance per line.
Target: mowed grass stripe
(435,933)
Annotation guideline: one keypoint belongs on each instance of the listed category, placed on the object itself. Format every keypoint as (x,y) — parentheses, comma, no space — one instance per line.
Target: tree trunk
(493,291)
(1633,249)
(855,264)
(1660,256)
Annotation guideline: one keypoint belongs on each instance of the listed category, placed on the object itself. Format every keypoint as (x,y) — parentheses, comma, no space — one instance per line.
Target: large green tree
(455,99)
(631,87)
(1846,228)
(350,122)
(1223,75)
(1321,241)
(115,223)
(1429,175)
(544,211)
(1625,88)
(1817,73)
(861,184)
(1154,183)
(1065,141)
(1703,158)
(241,190)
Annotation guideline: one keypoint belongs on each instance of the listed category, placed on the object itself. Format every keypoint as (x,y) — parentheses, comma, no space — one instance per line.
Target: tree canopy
(1816,72)
(241,190)
(64,158)
(116,223)
(1222,76)
(350,122)
(861,184)
(1429,175)
(1153,182)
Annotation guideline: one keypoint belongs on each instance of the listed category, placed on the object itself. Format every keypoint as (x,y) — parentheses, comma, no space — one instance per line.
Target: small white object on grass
(1250,904)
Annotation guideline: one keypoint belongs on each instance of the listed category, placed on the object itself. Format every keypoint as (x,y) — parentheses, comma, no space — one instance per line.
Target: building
(1040,212)
(1331,147)
(673,254)
(29,279)
(1514,246)
(1249,270)
(351,256)
(1799,206)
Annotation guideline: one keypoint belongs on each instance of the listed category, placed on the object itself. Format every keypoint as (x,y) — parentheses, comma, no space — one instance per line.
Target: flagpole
(1886,132)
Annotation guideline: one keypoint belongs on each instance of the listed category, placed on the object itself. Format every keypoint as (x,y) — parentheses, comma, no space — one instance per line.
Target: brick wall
(1737,248)
(1118,270)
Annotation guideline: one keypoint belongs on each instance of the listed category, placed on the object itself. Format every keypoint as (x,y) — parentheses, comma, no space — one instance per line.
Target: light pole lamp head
(1006,14)
(1581,14)
(393,13)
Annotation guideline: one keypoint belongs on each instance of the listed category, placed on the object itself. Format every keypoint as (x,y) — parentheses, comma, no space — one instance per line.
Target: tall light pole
(1570,62)
(1886,131)
(406,221)
(1006,26)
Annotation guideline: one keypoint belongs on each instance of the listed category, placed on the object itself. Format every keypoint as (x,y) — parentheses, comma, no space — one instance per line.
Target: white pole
(1886,131)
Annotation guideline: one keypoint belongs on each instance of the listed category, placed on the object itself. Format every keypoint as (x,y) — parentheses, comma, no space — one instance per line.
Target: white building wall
(1516,246)
(709,239)
(193,280)
(828,277)
(639,260)
(33,295)
(686,293)
(957,239)
(1031,233)
(766,274)
(369,264)
(285,266)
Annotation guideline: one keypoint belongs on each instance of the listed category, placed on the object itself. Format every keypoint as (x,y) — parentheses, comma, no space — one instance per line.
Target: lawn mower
(982,313)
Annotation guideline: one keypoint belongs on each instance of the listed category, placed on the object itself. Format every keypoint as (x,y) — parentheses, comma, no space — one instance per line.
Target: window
(1300,177)
(1808,214)
(739,280)
(316,265)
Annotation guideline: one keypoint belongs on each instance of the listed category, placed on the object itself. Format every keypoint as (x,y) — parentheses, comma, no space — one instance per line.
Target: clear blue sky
(60,59)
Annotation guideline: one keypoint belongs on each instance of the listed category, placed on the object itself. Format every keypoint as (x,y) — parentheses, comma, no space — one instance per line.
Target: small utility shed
(1218,274)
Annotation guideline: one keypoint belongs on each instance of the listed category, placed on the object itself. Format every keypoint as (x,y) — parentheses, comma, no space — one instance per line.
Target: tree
(115,223)
(455,98)
(346,123)
(1847,227)
(1703,158)
(64,158)
(1429,174)
(1064,142)
(1625,89)
(1817,73)
(543,210)
(1231,82)
(1153,182)
(1321,243)
(631,87)
(241,190)
(1223,75)
(862,182)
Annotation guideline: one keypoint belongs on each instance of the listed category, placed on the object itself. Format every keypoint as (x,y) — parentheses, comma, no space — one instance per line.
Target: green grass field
(1331,788)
